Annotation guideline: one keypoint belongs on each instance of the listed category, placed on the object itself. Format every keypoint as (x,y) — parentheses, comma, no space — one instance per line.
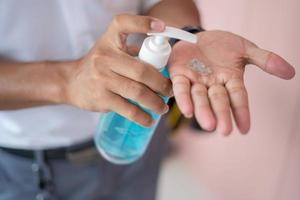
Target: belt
(73,152)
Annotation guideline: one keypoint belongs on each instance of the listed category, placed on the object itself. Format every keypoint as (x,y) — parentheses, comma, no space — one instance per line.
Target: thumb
(269,61)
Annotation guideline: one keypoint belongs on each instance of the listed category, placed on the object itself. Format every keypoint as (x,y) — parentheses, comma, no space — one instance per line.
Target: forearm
(177,13)
(32,84)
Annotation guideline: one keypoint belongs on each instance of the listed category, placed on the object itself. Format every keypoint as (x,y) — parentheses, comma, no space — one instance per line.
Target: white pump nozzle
(156,49)
(176,33)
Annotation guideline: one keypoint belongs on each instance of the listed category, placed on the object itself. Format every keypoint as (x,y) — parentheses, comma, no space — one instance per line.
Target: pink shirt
(263,165)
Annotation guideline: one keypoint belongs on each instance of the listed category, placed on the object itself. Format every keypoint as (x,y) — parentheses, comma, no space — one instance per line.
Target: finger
(203,112)
(239,104)
(143,73)
(181,70)
(139,93)
(126,23)
(128,110)
(269,62)
(182,93)
(220,103)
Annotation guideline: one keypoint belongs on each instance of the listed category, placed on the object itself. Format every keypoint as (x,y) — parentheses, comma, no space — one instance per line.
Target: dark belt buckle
(83,156)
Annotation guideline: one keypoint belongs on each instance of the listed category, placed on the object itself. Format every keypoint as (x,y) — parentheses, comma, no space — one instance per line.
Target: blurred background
(265,164)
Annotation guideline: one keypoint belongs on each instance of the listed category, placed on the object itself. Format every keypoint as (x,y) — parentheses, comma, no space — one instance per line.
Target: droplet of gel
(199,67)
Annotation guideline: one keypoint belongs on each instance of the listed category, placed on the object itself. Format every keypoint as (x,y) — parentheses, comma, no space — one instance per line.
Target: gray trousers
(81,178)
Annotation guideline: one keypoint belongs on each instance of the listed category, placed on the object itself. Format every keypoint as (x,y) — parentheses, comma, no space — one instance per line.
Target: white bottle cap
(156,49)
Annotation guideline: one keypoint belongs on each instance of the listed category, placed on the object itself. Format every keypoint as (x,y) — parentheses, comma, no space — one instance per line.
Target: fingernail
(189,115)
(166,109)
(157,25)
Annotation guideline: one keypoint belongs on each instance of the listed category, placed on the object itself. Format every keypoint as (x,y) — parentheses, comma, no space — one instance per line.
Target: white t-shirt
(35,30)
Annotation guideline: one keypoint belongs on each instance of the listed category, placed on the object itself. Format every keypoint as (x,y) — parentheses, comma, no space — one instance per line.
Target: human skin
(103,80)
(211,98)
(100,81)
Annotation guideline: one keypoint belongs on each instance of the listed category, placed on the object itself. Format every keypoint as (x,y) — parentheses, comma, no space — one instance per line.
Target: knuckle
(140,72)
(217,95)
(166,86)
(178,80)
(101,56)
(200,93)
(117,19)
(199,90)
(143,23)
(138,91)
(134,90)
(236,86)
(217,92)
(236,89)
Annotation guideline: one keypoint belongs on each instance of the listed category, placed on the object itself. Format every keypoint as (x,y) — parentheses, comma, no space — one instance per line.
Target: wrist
(62,72)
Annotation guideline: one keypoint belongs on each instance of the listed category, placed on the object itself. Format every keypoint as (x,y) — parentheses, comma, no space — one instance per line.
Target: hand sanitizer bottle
(120,140)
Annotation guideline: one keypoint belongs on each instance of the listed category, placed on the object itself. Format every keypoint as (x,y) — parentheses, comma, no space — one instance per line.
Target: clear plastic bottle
(120,140)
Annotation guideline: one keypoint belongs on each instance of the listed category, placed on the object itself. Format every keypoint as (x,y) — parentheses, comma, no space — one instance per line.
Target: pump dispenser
(156,49)
(120,140)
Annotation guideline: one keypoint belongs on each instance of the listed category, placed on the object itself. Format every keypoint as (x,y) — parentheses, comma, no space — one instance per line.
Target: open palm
(212,94)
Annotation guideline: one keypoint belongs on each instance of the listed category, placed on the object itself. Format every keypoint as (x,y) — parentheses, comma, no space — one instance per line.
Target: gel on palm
(120,140)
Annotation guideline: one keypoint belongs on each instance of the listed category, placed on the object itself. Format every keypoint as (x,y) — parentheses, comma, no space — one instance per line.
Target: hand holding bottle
(104,79)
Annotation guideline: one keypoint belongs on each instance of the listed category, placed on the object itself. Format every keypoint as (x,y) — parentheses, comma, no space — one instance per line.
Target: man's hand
(210,95)
(101,81)
(105,78)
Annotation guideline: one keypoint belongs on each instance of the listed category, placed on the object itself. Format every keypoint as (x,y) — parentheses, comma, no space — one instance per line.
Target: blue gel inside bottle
(122,141)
